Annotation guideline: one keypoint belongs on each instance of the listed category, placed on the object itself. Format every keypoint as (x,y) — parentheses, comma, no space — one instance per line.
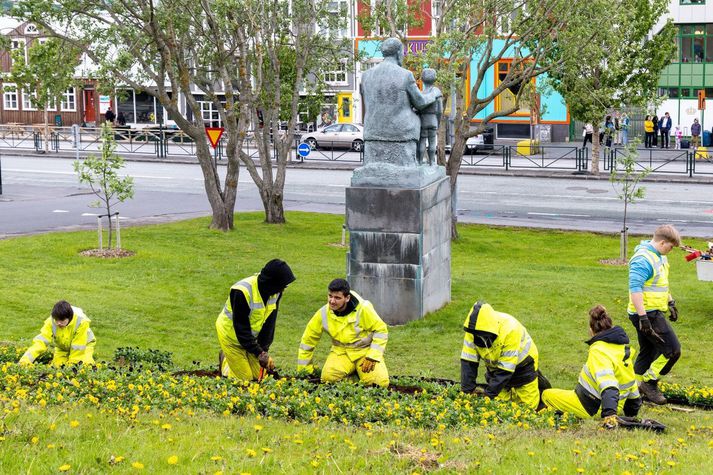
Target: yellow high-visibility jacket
(610,364)
(259,310)
(358,334)
(72,344)
(512,345)
(655,290)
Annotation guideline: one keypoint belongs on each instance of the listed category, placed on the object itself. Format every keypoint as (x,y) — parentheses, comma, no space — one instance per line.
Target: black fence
(686,162)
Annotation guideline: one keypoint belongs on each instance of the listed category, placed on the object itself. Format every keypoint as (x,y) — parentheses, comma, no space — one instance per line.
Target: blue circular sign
(303,150)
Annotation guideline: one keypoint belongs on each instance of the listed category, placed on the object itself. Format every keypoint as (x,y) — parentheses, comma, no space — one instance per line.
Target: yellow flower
(531,454)
(172,460)
(35,439)
(257,427)
(250,452)
(74,424)
(138,465)
(219,472)
(51,446)
(580,470)
(166,426)
(216,458)
(64,467)
(267,450)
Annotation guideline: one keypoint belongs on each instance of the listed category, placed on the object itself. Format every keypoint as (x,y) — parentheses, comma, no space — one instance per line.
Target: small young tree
(101,174)
(625,179)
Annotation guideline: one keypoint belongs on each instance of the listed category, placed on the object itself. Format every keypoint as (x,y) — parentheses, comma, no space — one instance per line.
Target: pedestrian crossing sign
(214,135)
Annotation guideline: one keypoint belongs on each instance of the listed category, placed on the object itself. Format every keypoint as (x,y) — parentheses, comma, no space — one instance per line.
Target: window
(210,113)
(18,44)
(695,43)
(337,22)
(507,99)
(10,97)
(367,65)
(69,100)
(28,101)
(338,76)
(693,2)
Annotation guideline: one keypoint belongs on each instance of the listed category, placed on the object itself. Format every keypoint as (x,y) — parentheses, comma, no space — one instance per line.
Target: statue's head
(393,48)
(428,76)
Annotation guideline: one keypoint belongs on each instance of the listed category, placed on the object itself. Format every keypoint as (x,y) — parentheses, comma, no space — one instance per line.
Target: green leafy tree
(228,53)
(102,175)
(46,73)
(626,175)
(619,66)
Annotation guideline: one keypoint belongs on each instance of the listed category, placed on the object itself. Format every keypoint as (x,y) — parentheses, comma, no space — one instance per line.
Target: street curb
(336,165)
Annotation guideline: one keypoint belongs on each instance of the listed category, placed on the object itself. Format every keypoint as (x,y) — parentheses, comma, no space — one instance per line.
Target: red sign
(214,135)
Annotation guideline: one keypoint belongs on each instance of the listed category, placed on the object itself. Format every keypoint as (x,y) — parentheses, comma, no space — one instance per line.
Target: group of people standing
(613,131)
(653,126)
(611,382)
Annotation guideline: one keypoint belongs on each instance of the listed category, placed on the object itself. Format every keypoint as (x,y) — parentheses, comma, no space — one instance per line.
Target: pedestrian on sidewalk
(587,132)
(648,132)
(624,124)
(665,129)
(695,134)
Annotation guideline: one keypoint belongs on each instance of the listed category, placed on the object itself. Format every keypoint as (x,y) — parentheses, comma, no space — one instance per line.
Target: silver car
(337,136)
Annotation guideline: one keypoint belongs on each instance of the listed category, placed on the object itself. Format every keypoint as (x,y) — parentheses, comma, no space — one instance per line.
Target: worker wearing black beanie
(246,325)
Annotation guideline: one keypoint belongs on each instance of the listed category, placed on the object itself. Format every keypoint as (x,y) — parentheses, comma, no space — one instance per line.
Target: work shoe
(650,392)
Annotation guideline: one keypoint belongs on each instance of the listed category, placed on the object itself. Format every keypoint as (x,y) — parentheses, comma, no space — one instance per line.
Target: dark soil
(107,253)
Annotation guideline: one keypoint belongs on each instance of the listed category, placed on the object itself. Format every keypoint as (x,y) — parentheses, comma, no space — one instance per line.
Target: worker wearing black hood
(607,384)
(246,325)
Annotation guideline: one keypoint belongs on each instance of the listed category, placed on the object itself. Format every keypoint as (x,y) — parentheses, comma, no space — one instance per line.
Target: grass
(168,295)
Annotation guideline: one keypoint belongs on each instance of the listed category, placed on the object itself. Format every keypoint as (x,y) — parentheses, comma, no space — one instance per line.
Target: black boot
(650,392)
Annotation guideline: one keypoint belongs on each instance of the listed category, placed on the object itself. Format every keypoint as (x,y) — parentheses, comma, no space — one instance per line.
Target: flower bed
(689,395)
(128,391)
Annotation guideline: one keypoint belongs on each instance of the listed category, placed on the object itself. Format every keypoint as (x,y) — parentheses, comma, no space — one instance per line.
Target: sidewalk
(466,169)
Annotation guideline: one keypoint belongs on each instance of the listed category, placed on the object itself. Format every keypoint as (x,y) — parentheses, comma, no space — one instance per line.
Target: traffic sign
(214,135)
(303,150)
(701,99)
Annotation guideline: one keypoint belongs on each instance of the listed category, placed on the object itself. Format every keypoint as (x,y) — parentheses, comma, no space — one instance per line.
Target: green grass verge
(168,295)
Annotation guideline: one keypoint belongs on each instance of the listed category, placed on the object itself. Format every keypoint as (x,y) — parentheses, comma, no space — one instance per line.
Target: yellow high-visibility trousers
(566,400)
(238,363)
(529,394)
(338,367)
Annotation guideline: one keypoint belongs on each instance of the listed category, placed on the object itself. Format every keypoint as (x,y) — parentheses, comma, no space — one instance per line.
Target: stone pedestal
(400,248)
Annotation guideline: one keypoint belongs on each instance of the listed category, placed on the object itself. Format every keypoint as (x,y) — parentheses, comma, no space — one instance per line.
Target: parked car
(337,136)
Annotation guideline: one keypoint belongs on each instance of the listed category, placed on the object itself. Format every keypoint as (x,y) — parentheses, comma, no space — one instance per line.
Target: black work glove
(673,311)
(647,329)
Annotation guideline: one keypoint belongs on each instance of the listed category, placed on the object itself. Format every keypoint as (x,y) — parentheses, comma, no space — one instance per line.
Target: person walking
(665,129)
(648,132)
(246,325)
(510,356)
(358,335)
(587,132)
(606,385)
(695,134)
(67,329)
(649,303)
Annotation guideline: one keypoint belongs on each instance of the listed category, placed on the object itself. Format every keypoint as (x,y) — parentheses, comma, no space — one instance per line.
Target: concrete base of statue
(400,243)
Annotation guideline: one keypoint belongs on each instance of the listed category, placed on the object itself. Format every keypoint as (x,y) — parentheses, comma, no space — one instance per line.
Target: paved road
(42,194)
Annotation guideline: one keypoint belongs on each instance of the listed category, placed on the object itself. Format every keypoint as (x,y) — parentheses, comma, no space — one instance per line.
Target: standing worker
(509,354)
(246,325)
(649,301)
(358,336)
(606,383)
(68,330)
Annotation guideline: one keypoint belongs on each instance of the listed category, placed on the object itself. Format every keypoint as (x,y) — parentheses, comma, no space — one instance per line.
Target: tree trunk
(221,209)
(596,145)
(108,210)
(452,169)
(273,203)
(47,131)
(624,236)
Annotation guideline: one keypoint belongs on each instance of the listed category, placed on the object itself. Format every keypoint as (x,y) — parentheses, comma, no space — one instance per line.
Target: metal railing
(551,157)
(662,161)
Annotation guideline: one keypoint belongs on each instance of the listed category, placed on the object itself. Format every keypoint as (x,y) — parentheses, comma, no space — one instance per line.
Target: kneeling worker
(509,354)
(68,330)
(246,325)
(358,336)
(607,384)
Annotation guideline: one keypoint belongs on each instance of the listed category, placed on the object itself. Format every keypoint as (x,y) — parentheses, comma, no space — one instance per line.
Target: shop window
(685,92)
(125,104)
(507,99)
(144,108)
(10,97)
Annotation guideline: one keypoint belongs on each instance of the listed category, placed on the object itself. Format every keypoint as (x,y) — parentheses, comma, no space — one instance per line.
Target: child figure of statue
(430,117)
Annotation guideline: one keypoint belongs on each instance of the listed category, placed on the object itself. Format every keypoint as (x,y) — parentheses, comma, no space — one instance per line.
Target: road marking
(30,170)
(561,214)
(60,211)
(89,214)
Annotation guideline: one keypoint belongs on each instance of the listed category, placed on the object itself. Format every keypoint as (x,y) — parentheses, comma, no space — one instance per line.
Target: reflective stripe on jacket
(655,290)
(360,333)
(511,346)
(609,365)
(76,339)
(259,310)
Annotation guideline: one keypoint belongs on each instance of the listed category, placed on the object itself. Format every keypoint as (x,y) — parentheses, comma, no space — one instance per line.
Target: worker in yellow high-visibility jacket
(67,329)
(246,324)
(358,336)
(607,384)
(510,356)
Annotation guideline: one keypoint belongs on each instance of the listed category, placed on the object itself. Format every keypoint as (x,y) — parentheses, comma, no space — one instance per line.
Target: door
(90,109)
(344,107)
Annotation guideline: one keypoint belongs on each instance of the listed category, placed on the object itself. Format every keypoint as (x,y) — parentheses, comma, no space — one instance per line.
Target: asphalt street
(42,194)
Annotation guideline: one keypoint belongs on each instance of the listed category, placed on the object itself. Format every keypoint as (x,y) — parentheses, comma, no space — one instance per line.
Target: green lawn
(169,294)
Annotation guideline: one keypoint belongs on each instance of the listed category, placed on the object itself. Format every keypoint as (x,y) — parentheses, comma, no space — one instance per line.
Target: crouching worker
(67,329)
(246,325)
(509,354)
(358,336)
(607,384)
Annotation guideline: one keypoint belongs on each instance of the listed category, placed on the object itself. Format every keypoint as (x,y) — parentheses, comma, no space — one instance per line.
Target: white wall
(683,112)
(686,14)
